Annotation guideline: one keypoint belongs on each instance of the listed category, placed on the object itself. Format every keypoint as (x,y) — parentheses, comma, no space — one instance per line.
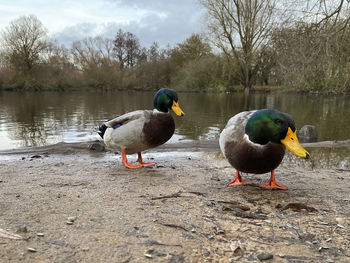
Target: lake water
(36,119)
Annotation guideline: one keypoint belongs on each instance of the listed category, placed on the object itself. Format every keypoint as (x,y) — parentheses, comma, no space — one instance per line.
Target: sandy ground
(70,204)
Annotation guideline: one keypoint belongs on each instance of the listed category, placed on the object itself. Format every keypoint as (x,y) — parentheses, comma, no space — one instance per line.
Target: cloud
(164,22)
(161,21)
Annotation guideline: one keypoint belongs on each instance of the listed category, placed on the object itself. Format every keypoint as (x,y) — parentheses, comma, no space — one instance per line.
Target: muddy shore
(66,203)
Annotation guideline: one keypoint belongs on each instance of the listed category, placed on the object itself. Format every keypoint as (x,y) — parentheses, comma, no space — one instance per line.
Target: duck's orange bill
(176,108)
(292,143)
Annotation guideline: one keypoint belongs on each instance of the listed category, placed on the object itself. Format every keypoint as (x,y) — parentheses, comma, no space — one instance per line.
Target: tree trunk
(247,90)
(246,99)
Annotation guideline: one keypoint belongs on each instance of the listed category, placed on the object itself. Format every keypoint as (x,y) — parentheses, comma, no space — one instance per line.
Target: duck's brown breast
(258,160)
(158,129)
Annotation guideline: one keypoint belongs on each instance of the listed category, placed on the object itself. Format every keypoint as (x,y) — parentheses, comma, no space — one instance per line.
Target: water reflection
(35,119)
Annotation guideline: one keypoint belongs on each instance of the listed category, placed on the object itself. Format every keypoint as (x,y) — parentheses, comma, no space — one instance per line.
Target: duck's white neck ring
(157,111)
(246,137)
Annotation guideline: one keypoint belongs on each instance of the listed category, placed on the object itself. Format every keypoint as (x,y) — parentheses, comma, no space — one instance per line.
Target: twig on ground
(175,195)
(155,242)
(173,225)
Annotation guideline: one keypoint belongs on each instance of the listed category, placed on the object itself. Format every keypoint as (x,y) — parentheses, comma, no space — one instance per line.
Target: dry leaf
(236,246)
(297,207)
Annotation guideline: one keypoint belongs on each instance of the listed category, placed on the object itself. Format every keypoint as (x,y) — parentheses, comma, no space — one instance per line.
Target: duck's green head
(269,125)
(166,99)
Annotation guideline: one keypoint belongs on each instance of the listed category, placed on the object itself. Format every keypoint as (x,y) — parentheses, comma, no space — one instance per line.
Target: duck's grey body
(139,130)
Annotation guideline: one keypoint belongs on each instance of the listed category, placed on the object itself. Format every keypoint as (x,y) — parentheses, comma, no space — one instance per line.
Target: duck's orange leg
(238,180)
(139,160)
(125,161)
(272,184)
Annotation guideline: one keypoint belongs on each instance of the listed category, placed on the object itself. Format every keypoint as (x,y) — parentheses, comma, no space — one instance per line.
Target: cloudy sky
(163,21)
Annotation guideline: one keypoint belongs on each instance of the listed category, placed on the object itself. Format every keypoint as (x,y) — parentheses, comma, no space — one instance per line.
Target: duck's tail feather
(101,130)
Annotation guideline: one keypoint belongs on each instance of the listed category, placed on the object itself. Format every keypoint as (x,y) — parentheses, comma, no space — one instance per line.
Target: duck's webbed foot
(238,180)
(139,160)
(126,163)
(272,184)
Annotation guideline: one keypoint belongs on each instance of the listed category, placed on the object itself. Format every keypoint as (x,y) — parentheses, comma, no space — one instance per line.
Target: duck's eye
(278,121)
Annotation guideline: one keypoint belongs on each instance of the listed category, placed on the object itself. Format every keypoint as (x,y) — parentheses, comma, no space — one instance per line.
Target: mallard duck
(255,141)
(140,130)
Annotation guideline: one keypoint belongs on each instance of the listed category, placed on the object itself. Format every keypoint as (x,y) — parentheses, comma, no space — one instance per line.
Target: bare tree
(93,52)
(153,52)
(57,56)
(312,58)
(240,28)
(127,49)
(322,12)
(132,45)
(24,41)
(96,60)
(119,47)
(312,47)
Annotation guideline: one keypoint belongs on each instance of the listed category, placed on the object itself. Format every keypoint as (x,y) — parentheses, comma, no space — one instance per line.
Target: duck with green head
(255,141)
(140,130)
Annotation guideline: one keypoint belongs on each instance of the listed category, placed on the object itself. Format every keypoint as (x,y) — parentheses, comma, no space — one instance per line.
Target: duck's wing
(235,129)
(127,117)
(236,125)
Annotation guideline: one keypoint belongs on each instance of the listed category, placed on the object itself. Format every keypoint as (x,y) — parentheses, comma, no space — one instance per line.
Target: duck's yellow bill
(176,108)
(292,143)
